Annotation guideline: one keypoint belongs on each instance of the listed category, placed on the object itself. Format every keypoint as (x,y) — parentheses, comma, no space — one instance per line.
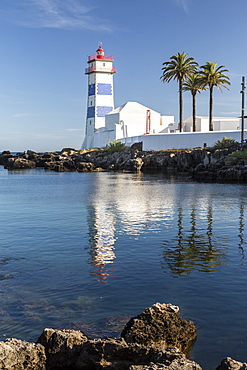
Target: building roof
(129,103)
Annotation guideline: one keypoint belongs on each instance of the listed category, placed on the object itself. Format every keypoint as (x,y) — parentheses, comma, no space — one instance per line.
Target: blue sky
(44,49)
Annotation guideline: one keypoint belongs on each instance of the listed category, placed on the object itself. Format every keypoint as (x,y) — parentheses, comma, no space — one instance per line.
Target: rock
(62,347)
(19,355)
(85,167)
(112,354)
(69,164)
(179,363)
(19,164)
(30,154)
(160,326)
(229,364)
(133,164)
(4,158)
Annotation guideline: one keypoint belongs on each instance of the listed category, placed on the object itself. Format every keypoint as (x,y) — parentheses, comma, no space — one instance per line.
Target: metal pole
(242,116)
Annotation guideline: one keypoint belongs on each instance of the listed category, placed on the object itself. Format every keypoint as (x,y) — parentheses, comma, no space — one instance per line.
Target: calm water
(79,247)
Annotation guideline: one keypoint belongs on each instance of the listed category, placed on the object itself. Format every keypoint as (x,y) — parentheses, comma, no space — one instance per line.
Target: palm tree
(213,76)
(194,84)
(179,67)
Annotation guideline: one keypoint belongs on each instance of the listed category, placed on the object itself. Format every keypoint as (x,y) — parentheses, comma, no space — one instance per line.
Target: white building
(131,119)
(219,124)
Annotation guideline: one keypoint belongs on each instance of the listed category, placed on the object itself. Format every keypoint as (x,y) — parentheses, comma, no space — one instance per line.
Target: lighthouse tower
(100,100)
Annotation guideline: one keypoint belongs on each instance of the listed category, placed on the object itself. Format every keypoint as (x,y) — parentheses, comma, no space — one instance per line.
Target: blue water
(76,248)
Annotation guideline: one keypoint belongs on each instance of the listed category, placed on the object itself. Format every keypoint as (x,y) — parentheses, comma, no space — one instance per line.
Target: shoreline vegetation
(157,339)
(215,164)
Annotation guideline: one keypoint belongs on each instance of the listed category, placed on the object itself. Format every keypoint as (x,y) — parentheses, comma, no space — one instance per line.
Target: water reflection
(139,207)
(193,249)
(101,237)
(121,202)
(241,229)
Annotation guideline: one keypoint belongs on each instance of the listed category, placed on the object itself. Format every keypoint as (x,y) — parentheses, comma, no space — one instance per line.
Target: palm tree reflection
(241,229)
(193,249)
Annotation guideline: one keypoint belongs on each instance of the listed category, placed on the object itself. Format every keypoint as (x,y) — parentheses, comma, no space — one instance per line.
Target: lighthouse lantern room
(100,100)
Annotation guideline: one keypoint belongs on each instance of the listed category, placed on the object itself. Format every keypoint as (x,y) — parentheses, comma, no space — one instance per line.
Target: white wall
(110,120)
(184,140)
(102,138)
(165,121)
(134,116)
(219,124)
(226,124)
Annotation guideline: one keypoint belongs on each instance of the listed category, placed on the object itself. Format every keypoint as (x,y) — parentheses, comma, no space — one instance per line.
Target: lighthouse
(100,98)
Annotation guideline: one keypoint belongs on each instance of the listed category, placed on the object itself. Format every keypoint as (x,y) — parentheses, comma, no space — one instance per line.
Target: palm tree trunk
(211,109)
(180,105)
(194,112)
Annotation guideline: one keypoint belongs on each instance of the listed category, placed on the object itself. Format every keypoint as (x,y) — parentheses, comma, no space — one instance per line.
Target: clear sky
(44,49)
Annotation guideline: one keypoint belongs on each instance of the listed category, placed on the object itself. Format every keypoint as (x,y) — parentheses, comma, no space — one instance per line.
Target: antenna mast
(242,116)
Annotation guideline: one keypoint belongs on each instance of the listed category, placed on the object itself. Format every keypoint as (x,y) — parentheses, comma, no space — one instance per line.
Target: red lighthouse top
(100,55)
(100,52)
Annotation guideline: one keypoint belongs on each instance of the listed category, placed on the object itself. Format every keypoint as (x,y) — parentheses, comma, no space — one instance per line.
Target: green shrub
(241,154)
(226,142)
(115,146)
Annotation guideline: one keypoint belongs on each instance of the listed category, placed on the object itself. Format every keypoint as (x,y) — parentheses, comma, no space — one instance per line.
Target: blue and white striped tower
(100,100)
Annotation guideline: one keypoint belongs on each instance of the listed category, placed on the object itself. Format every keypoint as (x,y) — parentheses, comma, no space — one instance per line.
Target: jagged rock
(19,355)
(85,167)
(112,354)
(160,326)
(30,154)
(179,363)
(133,164)
(50,164)
(156,163)
(62,347)
(19,163)
(4,157)
(69,164)
(229,364)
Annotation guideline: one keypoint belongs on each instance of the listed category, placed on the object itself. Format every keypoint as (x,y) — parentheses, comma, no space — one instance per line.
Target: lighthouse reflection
(101,237)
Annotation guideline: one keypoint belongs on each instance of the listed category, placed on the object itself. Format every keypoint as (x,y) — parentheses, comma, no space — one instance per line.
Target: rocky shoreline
(157,339)
(207,164)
